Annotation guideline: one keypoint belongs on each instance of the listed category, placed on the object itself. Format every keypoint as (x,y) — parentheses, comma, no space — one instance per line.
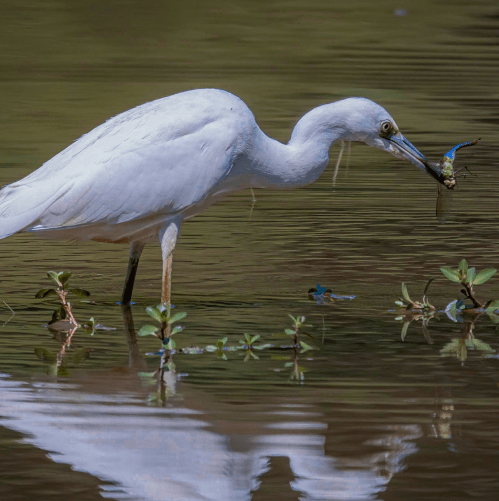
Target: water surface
(370,416)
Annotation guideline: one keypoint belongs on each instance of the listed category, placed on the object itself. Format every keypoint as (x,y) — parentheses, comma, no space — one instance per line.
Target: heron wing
(157,159)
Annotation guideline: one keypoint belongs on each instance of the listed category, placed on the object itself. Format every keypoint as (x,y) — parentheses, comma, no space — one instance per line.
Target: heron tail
(20,207)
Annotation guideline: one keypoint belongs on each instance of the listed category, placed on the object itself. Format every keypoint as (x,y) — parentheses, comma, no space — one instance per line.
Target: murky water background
(371,417)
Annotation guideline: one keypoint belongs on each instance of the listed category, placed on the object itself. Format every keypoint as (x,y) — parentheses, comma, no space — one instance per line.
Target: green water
(373,417)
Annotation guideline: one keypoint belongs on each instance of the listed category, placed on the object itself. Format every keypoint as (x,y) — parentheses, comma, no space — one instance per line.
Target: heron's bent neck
(304,158)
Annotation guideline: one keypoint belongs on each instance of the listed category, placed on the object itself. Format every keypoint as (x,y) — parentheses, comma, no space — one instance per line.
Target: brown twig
(67,306)
(469,293)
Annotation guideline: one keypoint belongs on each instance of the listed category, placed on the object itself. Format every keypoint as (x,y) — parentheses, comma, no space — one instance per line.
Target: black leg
(136,249)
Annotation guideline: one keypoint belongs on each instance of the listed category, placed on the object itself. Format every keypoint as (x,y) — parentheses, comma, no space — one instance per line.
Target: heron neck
(304,158)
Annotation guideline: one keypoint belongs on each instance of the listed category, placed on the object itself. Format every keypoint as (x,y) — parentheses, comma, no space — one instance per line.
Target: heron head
(372,124)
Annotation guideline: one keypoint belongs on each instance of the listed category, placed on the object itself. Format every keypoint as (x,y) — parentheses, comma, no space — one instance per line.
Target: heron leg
(168,238)
(136,249)
(166,289)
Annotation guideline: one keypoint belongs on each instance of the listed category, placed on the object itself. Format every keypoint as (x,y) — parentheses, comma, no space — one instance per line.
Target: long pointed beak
(403,149)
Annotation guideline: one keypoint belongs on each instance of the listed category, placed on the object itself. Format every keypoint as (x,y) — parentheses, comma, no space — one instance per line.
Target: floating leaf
(178,316)
(290,332)
(54,277)
(176,330)
(154,313)
(450,273)
(405,293)
(148,330)
(483,276)
(80,292)
(45,292)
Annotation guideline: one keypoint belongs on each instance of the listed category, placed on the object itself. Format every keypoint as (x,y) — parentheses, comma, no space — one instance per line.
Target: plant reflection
(424,317)
(55,361)
(459,347)
(164,378)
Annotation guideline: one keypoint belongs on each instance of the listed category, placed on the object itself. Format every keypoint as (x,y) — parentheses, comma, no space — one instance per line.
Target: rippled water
(369,416)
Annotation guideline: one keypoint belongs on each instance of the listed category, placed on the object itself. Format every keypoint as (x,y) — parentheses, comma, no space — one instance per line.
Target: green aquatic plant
(61,280)
(298,323)
(406,302)
(468,278)
(163,315)
(219,348)
(165,376)
(220,344)
(248,344)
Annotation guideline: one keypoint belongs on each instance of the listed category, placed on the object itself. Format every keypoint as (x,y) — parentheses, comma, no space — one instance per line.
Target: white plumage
(146,170)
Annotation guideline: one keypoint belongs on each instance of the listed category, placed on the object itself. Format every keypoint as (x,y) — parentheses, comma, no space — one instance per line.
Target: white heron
(145,171)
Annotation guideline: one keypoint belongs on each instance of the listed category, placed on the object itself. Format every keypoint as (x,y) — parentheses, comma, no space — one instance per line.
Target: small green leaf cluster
(406,302)
(219,347)
(467,276)
(162,314)
(248,340)
(248,344)
(90,326)
(298,322)
(61,280)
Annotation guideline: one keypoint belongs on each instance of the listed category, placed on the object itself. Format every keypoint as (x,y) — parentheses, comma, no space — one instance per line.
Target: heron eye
(386,127)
